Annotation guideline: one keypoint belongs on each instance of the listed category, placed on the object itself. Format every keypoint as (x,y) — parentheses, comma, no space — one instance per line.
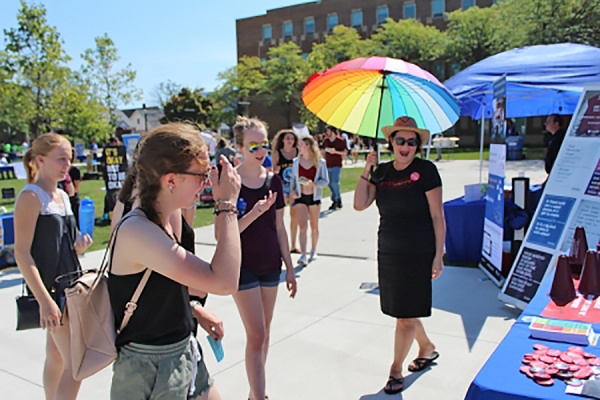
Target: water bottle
(86,216)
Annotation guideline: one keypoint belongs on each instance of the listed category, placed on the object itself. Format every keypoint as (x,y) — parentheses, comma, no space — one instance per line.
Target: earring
(171,189)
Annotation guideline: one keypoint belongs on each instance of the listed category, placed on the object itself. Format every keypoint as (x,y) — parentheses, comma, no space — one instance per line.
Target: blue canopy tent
(541,80)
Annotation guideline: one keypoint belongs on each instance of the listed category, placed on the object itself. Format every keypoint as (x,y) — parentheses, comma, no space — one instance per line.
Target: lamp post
(145,118)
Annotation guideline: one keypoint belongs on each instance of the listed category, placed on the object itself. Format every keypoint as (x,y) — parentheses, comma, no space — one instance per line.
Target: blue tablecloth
(8,228)
(500,379)
(464,230)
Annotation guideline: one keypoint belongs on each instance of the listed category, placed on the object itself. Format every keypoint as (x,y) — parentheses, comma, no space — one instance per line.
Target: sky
(186,41)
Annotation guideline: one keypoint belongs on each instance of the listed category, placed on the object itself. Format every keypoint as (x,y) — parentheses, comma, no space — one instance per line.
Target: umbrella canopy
(365,94)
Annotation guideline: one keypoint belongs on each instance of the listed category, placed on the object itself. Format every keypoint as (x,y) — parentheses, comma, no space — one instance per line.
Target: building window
(410,10)
(288,30)
(138,121)
(332,22)
(382,14)
(468,4)
(438,7)
(309,26)
(267,31)
(263,59)
(357,18)
(305,56)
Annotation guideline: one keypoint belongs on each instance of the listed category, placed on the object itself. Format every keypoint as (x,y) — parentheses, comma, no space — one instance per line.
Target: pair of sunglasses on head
(400,141)
(253,147)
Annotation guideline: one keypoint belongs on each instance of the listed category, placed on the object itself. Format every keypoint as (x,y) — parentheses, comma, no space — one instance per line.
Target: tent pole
(481,140)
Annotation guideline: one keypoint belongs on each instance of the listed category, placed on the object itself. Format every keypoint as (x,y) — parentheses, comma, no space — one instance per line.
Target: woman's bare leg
(314,212)
(302,218)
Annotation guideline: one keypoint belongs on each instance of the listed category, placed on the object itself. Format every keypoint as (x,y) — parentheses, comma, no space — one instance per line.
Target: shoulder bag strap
(131,306)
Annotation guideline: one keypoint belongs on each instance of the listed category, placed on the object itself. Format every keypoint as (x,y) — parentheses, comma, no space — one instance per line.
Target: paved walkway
(331,342)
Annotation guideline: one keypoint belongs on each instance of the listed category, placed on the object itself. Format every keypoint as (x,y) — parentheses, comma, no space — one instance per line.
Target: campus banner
(571,198)
(493,225)
(499,120)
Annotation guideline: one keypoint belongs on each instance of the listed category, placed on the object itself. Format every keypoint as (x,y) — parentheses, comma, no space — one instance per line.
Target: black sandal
(394,382)
(419,364)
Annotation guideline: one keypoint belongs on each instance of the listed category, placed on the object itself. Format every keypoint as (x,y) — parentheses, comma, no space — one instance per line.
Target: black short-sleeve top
(405,224)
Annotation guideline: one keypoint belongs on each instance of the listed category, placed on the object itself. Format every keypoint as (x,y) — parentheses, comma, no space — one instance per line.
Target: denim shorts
(159,372)
(250,280)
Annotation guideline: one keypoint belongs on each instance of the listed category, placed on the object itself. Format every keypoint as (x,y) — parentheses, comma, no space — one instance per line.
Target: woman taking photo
(285,149)
(158,355)
(309,177)
(264,245)
(45,247)
(408,194)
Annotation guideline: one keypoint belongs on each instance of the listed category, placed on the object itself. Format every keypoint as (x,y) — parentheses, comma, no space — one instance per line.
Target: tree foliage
(188,105)
(471,35)
(111,85)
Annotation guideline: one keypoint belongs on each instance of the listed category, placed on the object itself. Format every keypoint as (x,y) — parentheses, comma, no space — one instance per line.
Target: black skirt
(405,284)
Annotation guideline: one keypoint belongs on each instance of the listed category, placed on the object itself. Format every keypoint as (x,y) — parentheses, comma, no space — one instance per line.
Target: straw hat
(405,124)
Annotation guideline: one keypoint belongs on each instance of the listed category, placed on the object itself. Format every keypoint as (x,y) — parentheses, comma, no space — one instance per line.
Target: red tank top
(307,173)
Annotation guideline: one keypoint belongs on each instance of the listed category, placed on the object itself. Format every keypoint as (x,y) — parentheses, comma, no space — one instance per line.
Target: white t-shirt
(211,142)
(348,144)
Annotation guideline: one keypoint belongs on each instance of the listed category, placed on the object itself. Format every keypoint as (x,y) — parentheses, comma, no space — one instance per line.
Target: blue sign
(500,88)
(494,207)
(549,224)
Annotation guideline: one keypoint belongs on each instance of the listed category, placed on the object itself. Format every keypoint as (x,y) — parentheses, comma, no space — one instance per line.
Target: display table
(500,377)
(464,230)
(7,172)
(8,228)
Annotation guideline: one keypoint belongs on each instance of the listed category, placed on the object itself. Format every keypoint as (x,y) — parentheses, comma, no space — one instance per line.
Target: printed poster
(571,198)
(493,225)
(115,165)
(499,119)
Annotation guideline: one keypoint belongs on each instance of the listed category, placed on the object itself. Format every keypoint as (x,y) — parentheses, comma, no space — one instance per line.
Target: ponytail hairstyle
(243,124)
(169,148)
(41,146)
(279,136)
(313,150)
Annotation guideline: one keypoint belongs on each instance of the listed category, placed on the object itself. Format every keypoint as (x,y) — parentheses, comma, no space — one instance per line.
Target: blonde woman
(45,247)
(309,177)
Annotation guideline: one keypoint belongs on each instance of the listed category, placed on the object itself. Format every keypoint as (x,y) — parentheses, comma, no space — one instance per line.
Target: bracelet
(364,178)
(232,210)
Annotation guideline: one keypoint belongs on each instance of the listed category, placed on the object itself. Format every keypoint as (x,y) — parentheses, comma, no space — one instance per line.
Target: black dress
(55,231)
(406,238)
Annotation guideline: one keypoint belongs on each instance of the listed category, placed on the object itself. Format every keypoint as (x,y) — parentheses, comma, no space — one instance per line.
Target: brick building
(310,22)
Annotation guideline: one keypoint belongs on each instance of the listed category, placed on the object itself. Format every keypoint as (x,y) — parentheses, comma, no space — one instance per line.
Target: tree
(82,115)
(165,91)
(343,44)
(35,62)
(188,105)
(471,35)
(112,87)
(410,41)
(286,72)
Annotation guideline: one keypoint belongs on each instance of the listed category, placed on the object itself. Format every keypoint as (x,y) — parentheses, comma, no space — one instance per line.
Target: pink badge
(415,176)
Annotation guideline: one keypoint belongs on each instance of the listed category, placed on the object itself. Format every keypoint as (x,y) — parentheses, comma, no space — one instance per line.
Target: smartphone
(219,168)
(217,348)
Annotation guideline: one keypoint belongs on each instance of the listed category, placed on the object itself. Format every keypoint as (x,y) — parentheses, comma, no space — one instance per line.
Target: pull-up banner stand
(571,198)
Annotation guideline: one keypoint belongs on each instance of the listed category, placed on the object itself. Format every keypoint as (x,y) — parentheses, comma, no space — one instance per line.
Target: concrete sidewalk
(331,342)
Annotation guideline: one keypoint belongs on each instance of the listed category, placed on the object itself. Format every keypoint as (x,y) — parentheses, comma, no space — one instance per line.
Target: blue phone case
(216,347)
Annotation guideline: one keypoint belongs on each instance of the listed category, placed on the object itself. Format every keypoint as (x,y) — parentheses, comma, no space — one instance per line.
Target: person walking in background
(334,149)
(285,149)
(408,194)
(46,247)
(264,245)
(554,125)
(225,150)
(157,352)
(309,177)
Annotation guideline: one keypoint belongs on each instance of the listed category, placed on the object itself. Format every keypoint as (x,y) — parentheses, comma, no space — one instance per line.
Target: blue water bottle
(241,206)
(86,216)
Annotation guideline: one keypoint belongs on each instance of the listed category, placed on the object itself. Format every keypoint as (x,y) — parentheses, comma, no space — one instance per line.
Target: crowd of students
(153,247)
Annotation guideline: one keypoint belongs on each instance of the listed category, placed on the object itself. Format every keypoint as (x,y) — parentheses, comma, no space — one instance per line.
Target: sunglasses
(205,177)
(253,147)
(400,141)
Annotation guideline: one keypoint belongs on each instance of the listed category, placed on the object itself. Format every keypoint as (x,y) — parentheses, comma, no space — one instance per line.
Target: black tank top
(163,315)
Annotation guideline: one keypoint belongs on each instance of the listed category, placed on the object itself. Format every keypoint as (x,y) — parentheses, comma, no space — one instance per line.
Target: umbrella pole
(377,149)
(481,140)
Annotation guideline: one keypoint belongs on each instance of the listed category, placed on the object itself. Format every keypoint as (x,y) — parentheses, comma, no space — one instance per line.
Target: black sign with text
(527,274)
(115,165)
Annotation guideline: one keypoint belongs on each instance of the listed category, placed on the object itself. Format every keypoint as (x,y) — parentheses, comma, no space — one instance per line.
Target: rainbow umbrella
(363,95)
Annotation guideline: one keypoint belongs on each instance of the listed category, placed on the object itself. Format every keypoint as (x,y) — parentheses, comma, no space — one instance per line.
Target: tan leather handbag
(91,320)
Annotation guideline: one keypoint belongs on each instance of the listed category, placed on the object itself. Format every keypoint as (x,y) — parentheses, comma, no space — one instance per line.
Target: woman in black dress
(46,246)
(408,194)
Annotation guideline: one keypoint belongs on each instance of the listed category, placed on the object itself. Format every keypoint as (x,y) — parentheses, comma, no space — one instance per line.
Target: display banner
(571,198)
(499,120)
(493,225)
(130,141)
(115,166)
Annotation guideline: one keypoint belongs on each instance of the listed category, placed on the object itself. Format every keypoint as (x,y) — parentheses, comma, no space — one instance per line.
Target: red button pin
(541,347)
